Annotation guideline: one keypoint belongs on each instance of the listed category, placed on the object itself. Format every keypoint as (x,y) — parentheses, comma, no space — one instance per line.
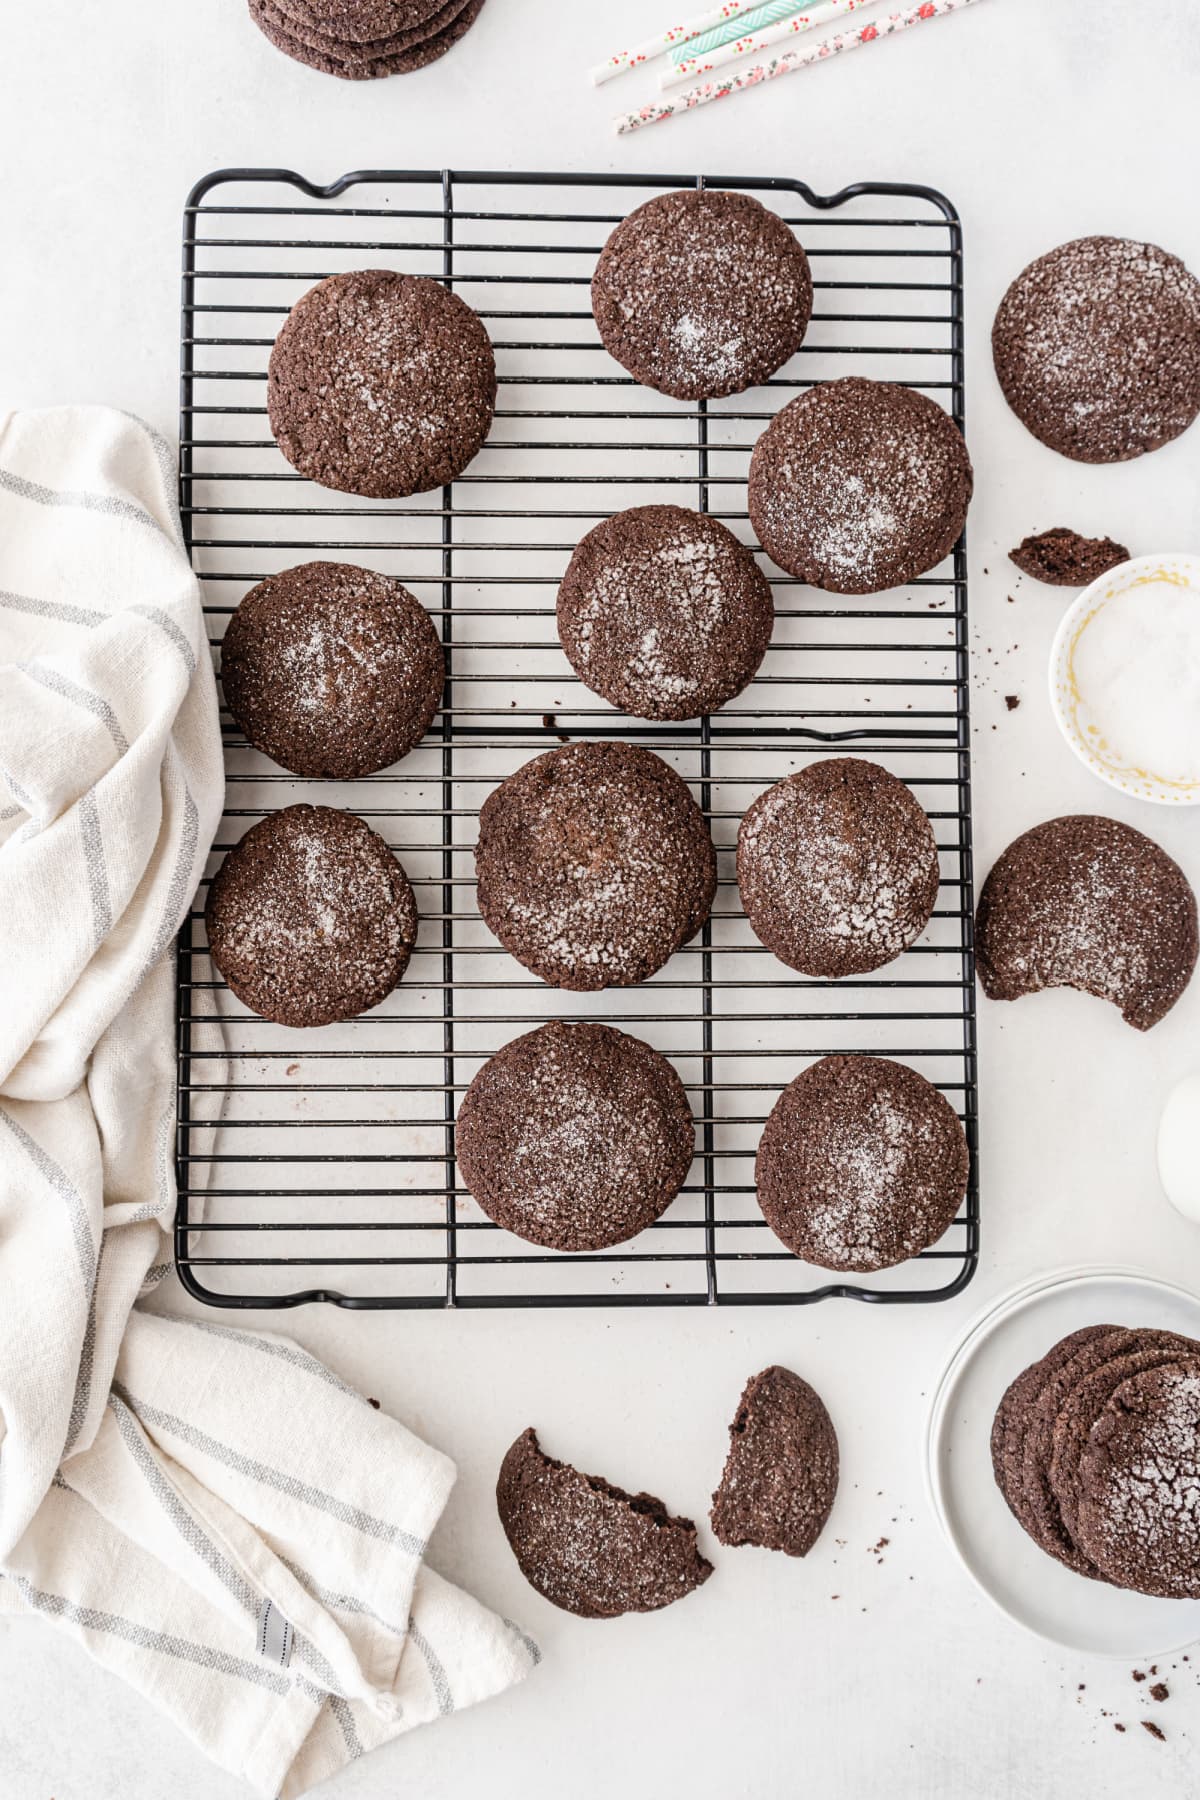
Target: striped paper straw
(767,12)
(753,41)
(668,40)
(784,65)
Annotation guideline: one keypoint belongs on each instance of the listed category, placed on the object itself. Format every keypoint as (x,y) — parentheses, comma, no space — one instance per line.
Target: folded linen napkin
(211,1512)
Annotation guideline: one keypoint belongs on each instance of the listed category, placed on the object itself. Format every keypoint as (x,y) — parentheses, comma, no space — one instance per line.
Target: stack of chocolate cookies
(1096,1449)
(359,40)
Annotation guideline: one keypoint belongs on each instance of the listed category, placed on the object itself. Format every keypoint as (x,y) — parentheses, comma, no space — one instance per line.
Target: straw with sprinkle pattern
(672,37)
(774,66)
(756,33)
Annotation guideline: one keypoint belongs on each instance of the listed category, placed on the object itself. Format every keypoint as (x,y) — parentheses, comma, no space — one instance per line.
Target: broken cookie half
(781,1474)
(589,1547)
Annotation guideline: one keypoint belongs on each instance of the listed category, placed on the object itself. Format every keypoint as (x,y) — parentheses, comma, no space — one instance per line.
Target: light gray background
(1043,119)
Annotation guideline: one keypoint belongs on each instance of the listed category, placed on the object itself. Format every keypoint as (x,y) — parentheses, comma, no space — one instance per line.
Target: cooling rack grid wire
(320,1165)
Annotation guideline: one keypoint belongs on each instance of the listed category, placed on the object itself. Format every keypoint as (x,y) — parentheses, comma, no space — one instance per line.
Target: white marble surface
(1043,119)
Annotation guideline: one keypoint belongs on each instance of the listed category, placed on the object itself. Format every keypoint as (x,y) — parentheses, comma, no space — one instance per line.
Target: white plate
(1022,1580)
(1114,763)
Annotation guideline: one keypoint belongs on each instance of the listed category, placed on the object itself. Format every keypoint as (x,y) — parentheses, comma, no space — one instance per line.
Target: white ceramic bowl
(1114,763)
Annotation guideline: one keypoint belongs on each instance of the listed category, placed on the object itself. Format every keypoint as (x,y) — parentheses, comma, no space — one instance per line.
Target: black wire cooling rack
(320,1165)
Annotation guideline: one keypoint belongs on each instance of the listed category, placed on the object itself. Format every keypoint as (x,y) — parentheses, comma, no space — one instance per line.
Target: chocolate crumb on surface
(1156,1731)
(589,1547)
(781,1473)
(1160,1691)
(1061,558)
(1089,903)
(1012,701)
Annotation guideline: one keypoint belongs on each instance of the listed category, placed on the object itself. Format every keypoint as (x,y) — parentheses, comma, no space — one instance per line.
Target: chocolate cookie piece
(350,62)
(857,486)
(1097,348)
(862,1164)
(1062,558)
(702,293)
(310,918)
(359,21)
(575,1137)
(664,613)
(589,1547)
(381,384)
(332,670)
(1086,902)
(1139,1503)
(1082,1407)
(594,864)
(1015,1411)
(838,868)
(442,14)
(781,1474)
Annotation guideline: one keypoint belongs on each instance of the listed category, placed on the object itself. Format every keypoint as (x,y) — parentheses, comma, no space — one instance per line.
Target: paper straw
(668,39)
(748,37)
(767,12)
(721,88)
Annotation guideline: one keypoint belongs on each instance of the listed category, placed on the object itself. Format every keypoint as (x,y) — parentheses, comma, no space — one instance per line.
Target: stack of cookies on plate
(1096,1449)
(359,40)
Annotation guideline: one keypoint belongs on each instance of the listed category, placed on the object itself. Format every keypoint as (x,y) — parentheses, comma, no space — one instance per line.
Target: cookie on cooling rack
(862,1164)
(857,486)
(837,867)
(381,384)
(702,293)
(311,918)
(594,865)
(1097,348)
(781,1474)
(332,670)
(1087,902)
(400,54)
(664,613)
(591,1548)
(575,1137)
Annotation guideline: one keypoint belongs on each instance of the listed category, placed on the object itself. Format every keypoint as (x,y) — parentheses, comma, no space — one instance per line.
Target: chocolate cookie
(1015,1412)
(1097,348)
(351,62)
(1086,902)
(1064,559)
(332,670)
(575,1137)
(441,14)
(1039,1510)
(1139,1517)
(381,384)
(1082,1407)
(589,1547)
(862,1164)
(781,1474)
(838,868)
(702,293)
(359,21)
(594,864)
(859,485)
(310,918)
(664,613)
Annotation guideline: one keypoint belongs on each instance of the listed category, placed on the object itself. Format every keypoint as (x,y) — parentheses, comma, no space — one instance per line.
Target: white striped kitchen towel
(211,1512)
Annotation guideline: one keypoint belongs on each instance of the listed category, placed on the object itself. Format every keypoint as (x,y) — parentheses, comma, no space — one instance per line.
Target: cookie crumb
(1012,701)
(1156,1731)
(1160,1691)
